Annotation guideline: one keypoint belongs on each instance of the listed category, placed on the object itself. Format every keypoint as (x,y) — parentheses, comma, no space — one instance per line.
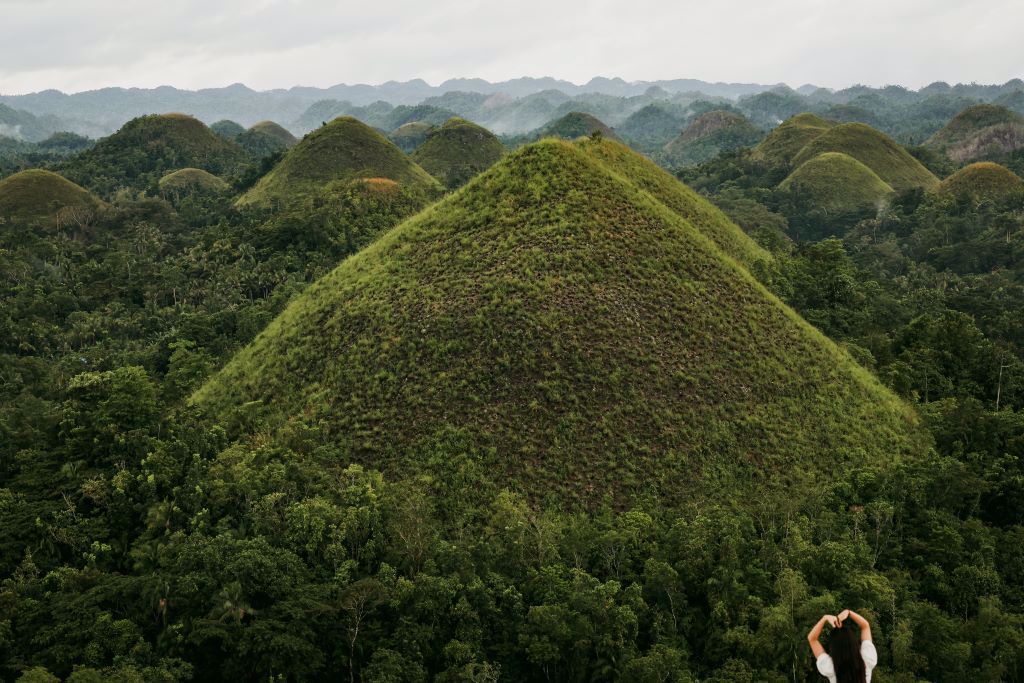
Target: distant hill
(651,127)
(709,135)
(409,136)
(227,129)
(982,180)
(37,196)
(874,149)
(265,138)
(188,181)
(838,183)
(149,147)
(983,131)
(457,151)
(574,125)
(343,150)
(23,125)
(540,314)
(784,142)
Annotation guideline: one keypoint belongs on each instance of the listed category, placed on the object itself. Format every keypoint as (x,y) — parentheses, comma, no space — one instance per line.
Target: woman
(850,658)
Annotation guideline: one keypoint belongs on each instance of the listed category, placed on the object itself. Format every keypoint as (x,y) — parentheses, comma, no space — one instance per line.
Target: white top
(867,652)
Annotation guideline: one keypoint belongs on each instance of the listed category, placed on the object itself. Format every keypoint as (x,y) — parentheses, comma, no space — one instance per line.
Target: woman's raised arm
(812,637)
(865,627)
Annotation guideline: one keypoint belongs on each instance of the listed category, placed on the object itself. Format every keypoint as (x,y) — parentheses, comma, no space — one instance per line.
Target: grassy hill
(409,136)
(702,214)
(838,183)
(342,150)
(786,140)
(874,149)
(148,147)
(709,135)
(276,131)
(970,121)
(37,195)
(457,151)
(580,336)
(191,180)
(982,180)
(982,131)
(651,128)
(574,125)
(227,129)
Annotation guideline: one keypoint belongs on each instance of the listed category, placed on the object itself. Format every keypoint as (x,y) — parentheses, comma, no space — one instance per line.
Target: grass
(586,338)
(574,125)
(838,183)
(191,180)
(982,180)
(227,129)
(458,151)
(342,150)
(36,194)
(709,135)
(874,149)
(276,131)
(785,141)
(970,121)
(411,135)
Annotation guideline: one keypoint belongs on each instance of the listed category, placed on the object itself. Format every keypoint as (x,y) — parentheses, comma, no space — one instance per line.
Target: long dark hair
(844,649)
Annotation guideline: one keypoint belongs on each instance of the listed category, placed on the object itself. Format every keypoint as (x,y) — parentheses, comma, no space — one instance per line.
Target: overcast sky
(77,45)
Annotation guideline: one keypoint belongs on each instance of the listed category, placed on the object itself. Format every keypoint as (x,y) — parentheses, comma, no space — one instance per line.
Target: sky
(75,45)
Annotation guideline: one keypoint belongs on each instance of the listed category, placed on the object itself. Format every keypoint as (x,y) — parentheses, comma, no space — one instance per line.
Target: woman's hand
(832,620)
(843,616)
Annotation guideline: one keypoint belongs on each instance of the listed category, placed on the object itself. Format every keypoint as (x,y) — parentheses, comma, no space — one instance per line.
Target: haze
(280,43)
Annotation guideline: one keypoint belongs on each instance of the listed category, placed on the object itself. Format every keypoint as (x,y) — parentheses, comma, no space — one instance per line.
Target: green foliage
(709,135)
(409,136)
(574,125)
(41,196)
(186,181)
(982,180)
(838,183)
(783,143)
(458,151)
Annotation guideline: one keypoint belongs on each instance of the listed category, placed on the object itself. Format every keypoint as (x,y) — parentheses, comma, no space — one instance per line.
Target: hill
(574,125)
(189,181)
(709,135)
(37,195)
(874,149)
(785,141)
(409,136)
(342,150)
(578,335)
(838,183)
(276,131)
(457,151)
(982,131)
(982,180)
(650,128)
(227,129)
(265,138)
(147,148)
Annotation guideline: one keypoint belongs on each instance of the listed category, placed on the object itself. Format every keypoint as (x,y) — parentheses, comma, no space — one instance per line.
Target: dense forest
(302,409)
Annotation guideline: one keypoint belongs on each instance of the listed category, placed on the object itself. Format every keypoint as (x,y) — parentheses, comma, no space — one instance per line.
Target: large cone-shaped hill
(874,149)
(37,195)
(574,125)
(148,147)
(982,130)
(838,183)
(581,336)
(786,140)
(343,150)
(457,151)
(982,180)
(709,135)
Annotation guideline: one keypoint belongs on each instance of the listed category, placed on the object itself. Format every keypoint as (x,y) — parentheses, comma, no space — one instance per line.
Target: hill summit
(982,180)
(786,140)
(574,125)
(583,337)
(980,131)
(838,183)
(36,195)
(457,151)
(709,135)
(341,151)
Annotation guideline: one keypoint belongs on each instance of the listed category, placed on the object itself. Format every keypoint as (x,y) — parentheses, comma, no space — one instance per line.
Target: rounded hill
(276,131)
(838,183)
(227,129)
(411,135)
(709,135)
(457,151)
(982,180)
(574,125)
(191,180)
(342,150)
(148,147)
(874,149)
(971,121)
(786,140)
(38,195)
(580,336)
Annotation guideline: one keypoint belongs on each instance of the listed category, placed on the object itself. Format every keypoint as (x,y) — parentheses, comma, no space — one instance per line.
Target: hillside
(709,135)
(148,147)
(342,150)
(227,129)
(590,340)
(276,131)
(983,131)
(874,149)
(838,183)
(970,121)
(38,195)
(785,141)
(650,128)
(190,180)
(457,151)
(574,125)
(982,180)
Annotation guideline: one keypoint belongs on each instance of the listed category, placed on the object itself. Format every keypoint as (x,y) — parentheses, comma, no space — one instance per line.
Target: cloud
(280,43)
